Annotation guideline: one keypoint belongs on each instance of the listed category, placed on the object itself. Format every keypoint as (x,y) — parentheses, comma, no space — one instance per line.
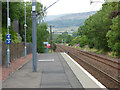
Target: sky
(71,6)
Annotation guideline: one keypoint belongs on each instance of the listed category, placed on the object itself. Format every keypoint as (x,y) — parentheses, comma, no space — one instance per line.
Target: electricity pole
(34,36)
(51,41)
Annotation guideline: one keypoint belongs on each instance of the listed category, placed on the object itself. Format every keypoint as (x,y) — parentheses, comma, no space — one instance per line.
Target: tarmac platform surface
(53,71)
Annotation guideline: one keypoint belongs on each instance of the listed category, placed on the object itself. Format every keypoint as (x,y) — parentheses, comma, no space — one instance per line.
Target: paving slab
(24,78)
(85,78)
(55,73)
(52,73)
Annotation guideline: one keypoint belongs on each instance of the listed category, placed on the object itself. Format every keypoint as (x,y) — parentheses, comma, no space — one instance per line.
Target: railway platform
(56,70)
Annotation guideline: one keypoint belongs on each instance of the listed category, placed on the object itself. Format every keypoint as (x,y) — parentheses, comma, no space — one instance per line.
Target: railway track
(109,62)
(83,58)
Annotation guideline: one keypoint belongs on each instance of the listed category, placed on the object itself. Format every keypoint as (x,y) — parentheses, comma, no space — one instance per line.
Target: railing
(16,51)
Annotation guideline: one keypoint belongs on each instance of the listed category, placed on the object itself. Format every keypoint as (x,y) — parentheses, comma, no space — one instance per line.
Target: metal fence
(0,53)
(16,51)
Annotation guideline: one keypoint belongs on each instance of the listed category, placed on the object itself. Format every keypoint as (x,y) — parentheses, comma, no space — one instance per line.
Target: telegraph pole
(8,25)
(34,36)
(51,41)
(25,32)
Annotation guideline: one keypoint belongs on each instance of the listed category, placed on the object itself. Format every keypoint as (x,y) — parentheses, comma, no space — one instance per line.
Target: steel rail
(107,75)
(93,57)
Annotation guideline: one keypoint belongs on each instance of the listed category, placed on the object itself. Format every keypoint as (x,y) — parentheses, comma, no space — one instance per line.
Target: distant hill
(53,17)
(68,21)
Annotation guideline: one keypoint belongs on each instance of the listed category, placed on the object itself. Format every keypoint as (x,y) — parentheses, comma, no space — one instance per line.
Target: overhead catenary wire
(46,8)
(96,3)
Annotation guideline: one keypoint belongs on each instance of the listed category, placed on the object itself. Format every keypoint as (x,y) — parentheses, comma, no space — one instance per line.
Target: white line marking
(95,80)
(47,60)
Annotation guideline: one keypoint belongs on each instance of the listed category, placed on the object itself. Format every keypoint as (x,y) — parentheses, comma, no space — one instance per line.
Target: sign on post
(8,39)
(48,46)
(45,42)
(8,22)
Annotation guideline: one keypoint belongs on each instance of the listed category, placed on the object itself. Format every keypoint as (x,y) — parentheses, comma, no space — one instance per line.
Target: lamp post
(25,33)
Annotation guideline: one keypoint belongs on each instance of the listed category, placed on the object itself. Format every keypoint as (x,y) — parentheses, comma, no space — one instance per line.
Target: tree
(69,38)
(97,26)
(17,12)
(42,36)
(64,36)
(113,36)
(81,40)
(29,20)
(74,34)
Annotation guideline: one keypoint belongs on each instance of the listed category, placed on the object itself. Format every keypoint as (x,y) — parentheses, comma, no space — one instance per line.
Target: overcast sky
(71,6)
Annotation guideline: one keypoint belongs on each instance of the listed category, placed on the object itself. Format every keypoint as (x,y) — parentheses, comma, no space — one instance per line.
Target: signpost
(48,46)
(8,36)
(8,39)
(45,42)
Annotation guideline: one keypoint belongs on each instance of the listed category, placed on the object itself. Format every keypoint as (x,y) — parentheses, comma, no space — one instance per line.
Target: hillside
(67,21)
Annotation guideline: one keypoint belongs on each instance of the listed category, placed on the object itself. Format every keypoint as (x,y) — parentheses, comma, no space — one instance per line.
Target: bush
(42,36)
(14,36)
(54,47)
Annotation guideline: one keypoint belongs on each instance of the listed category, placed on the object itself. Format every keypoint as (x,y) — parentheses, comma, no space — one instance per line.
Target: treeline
(62,38)
(101,30)
(17,12)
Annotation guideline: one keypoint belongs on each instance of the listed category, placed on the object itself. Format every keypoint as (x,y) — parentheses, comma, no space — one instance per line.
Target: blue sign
(8,39)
